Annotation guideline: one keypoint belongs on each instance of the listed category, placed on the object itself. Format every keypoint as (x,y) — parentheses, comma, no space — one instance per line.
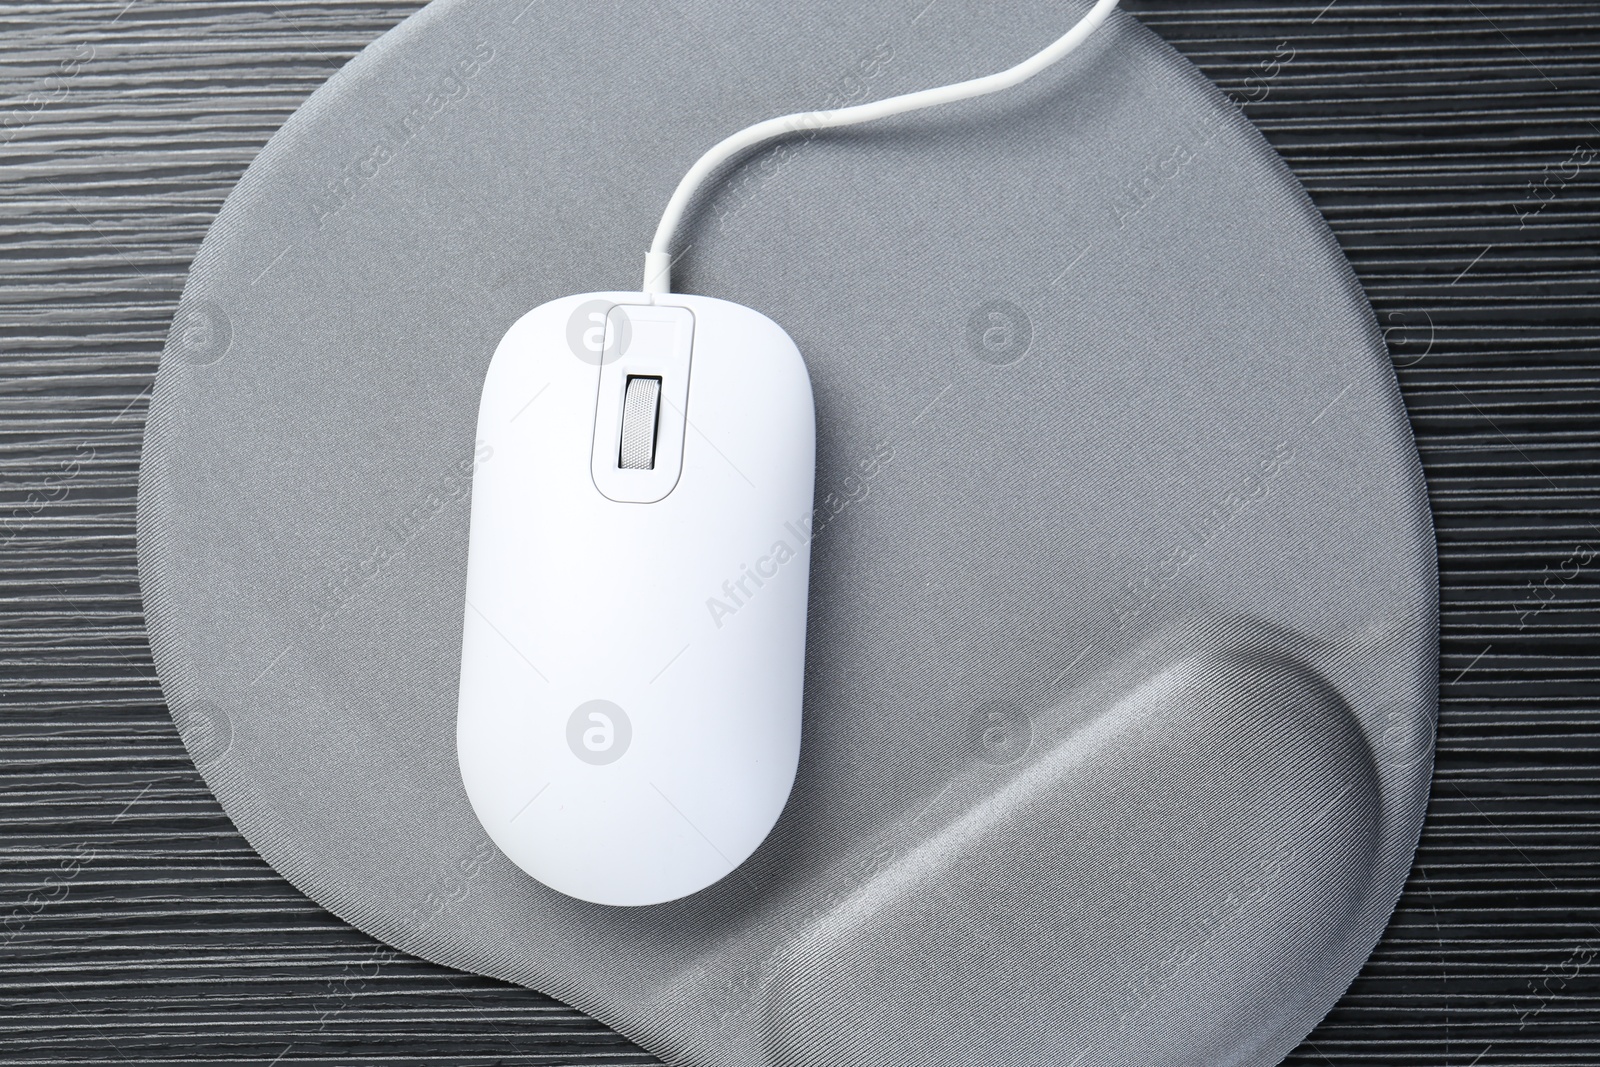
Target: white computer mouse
(634,643)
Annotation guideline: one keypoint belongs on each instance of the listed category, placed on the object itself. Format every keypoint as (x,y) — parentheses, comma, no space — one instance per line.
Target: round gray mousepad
(1123,636)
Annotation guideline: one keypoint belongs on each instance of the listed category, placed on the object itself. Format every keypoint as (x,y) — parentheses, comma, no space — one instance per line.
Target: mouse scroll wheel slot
(641,415)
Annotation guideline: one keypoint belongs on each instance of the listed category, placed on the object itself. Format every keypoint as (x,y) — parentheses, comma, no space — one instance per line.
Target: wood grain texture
(1453,147)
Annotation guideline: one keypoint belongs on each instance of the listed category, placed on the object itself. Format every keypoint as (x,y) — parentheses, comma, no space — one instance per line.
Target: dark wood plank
(1453,148)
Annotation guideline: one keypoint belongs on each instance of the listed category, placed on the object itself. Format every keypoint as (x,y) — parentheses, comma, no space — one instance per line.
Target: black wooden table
(1454,148)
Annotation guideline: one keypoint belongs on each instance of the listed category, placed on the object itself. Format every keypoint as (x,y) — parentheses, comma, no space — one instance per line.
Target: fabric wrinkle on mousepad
(1122,653)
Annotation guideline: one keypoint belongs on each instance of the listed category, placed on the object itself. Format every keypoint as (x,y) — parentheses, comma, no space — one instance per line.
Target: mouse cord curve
(658,261)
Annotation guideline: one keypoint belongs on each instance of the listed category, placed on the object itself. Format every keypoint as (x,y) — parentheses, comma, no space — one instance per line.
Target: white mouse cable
(658,261)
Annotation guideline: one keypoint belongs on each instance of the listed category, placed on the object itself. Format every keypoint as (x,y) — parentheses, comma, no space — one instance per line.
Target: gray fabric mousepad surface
(1122,656)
